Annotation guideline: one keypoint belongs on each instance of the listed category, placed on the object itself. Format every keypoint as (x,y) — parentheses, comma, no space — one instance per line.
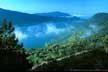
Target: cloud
(86,34)
(53,29)
(38,34)
(40,31)
(46,29)
(20,35)
(93,26)
(78,15)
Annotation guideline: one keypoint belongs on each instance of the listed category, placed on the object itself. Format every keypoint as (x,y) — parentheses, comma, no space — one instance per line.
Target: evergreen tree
(7,36)
(12,54)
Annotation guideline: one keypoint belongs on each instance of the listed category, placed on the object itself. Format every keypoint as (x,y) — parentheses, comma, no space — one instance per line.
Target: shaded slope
(93,59)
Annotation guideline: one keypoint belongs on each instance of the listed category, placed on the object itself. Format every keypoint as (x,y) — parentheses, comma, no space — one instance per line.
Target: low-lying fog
(34,36)
(37,35)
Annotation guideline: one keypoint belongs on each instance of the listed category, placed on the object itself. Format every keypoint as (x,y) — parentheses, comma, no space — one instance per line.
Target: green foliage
(7,37)
(12,55)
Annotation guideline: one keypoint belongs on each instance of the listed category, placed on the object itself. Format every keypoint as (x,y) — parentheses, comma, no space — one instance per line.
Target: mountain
(99,18)
(54,14)
(20,18)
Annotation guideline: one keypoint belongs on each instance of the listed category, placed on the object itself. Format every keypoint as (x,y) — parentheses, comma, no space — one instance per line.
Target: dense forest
(77,52)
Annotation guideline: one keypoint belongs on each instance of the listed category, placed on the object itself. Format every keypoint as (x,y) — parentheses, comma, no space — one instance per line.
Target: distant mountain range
(54,14)
(97,19)
(20,18)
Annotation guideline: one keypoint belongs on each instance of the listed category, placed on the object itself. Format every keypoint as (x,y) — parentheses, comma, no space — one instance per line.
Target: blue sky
(69,6)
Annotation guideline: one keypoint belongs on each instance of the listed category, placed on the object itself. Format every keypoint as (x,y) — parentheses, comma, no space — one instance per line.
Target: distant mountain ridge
(20,18)
(100,17)
(54,14)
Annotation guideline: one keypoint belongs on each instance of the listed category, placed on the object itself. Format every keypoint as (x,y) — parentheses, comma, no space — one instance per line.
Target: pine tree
(7,37)
(11,52)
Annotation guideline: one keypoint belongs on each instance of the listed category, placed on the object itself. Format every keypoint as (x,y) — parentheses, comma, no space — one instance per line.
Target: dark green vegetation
(86,60)
(12,54)
(89,52)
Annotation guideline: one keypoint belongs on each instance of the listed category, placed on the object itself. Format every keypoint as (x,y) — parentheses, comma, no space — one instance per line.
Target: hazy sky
(69,6)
